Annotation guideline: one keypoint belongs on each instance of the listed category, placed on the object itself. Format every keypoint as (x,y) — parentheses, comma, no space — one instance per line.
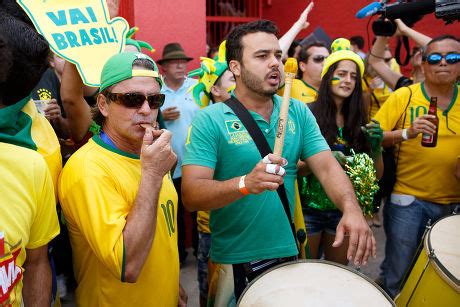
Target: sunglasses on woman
(135,101)
(318,59)
(436,58)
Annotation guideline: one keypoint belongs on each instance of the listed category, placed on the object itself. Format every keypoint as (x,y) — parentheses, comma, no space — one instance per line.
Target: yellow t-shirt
(395,66)
(202,219)
(46,140)
(97,190)
(301,90)
(28,217)
(426,173)
(381,94)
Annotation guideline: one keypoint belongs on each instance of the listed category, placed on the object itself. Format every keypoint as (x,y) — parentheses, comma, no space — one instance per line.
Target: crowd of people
(115,167)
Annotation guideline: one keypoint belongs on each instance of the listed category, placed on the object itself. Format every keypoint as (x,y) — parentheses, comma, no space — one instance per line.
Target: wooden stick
(290,71)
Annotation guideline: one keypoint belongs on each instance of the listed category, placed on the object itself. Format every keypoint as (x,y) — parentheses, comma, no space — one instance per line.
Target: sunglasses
(318,59)
(135,101)
(436,58)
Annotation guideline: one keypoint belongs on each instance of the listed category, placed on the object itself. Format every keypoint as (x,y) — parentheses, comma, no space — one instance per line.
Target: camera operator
(390,77)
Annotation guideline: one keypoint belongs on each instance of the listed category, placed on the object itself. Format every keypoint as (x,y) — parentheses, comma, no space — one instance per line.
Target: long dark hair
(353,109)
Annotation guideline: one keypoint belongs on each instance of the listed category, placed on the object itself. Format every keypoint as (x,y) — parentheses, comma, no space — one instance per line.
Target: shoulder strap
(263,147)
(402,41)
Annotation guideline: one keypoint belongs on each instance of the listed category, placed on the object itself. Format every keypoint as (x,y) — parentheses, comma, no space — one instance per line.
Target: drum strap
(263,147)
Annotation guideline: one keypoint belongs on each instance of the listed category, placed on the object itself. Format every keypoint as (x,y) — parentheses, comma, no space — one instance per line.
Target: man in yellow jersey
(28,219)
(30,51)
(426,187)
(311,60)
(118,197)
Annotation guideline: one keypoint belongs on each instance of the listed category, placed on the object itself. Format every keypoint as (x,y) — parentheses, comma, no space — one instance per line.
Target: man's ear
(235,67)
(102,104)
(215,91)
(302,66)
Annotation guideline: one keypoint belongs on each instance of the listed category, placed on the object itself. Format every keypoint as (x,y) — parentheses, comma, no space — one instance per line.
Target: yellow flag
(80,31)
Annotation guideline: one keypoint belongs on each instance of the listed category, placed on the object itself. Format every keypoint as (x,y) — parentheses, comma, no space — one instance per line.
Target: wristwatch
(242,186)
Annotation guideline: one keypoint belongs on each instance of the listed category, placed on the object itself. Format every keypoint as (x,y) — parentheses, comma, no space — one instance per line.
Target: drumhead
(313,283)
(444,241)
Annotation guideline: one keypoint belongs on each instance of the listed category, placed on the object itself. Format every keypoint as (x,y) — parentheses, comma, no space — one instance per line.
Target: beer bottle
(427,139)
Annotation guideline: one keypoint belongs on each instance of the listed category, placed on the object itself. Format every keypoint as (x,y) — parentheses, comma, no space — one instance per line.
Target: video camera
(409,12)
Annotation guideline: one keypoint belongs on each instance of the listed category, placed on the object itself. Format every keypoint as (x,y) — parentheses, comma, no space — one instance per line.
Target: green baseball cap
(120,67)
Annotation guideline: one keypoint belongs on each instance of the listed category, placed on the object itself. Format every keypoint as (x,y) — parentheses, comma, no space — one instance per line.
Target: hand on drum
(266,175)
(361,239)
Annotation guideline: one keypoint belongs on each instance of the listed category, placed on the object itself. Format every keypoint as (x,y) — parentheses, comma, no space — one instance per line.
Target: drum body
(434,279)
(313,283)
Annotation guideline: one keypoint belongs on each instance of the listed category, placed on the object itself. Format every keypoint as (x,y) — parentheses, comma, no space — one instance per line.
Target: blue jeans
(404,227)
(317,221)
(204,245)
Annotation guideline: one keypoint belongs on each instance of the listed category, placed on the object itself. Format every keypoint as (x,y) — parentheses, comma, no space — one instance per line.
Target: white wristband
(242,186)
(404,134)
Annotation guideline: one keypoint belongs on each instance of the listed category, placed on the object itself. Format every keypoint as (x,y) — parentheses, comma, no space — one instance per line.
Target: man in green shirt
(223,170)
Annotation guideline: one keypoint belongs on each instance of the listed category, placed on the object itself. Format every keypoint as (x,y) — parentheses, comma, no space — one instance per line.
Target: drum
(434,279)
(313,283)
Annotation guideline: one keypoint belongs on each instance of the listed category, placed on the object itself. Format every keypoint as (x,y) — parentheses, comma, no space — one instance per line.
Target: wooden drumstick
(290,71)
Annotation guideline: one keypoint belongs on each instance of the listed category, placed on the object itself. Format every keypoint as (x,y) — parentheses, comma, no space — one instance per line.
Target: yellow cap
(341,50)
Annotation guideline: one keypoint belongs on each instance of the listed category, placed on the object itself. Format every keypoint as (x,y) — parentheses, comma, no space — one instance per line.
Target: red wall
(165,21)
(337,18)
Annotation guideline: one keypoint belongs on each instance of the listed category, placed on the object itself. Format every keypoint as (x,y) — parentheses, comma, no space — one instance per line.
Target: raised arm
(301,24)
(419,38)
(157,159)
(78,111)
(376,60)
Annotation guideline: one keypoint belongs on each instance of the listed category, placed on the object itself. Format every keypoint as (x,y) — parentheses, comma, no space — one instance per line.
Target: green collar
(97,139)
(16,126)
(308,85)
(276,107)
(452,102)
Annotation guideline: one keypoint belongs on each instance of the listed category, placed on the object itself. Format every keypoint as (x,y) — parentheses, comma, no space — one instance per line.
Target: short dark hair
(291,50)
(6,59)
(303,53)
(357,40)
(438,39)
(12,8)
(234,47)
(29,55)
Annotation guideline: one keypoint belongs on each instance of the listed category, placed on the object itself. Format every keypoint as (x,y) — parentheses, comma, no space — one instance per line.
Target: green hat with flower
(209,72)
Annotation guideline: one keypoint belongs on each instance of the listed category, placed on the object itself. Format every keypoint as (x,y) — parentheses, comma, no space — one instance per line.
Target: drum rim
(317,261)
(451,279)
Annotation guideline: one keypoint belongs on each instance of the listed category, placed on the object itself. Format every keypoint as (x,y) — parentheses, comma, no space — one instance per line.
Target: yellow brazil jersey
(301,91)
(381,94)
(97,189)
(426,173)
(46,140)
(202,219)
(28,217)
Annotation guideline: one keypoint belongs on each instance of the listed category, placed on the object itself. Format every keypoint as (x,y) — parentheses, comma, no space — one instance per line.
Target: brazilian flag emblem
(234,126)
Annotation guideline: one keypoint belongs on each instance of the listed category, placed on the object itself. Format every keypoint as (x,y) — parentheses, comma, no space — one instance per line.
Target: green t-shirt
(254,227)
